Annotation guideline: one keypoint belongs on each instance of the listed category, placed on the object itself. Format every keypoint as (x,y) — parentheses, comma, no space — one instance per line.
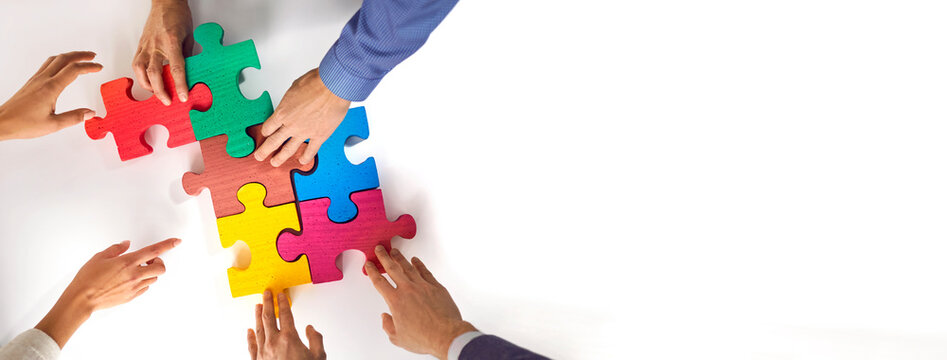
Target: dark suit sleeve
(492,347)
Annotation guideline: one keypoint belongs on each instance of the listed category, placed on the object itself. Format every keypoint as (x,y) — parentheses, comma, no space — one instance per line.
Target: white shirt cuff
(31,344)
(461,341)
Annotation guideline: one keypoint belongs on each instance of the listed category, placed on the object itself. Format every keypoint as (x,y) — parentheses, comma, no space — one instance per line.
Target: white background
(598,179)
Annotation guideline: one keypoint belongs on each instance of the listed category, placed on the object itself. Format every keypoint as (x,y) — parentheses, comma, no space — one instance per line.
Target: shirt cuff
(342,82)
(31,344)
(461,341)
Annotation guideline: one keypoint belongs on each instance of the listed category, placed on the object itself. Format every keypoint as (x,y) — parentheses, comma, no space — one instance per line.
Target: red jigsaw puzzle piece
(323,240)
(224,175)
(128,119)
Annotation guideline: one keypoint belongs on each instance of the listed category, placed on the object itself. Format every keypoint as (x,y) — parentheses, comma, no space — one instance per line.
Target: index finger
(61,60)
(152,251)
(393,268)
(178,75)
(381,284)
(269,316)
(72,71)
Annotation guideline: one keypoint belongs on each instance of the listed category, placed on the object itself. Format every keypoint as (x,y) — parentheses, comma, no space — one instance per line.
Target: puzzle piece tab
(128,119)
(335,177)
(224,175)
(322,240)
(258,227)
(219,67)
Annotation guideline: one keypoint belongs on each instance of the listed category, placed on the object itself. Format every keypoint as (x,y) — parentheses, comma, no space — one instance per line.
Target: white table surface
(654,180)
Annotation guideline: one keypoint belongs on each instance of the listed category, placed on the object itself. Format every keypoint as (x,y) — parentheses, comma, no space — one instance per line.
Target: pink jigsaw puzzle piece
(322,240)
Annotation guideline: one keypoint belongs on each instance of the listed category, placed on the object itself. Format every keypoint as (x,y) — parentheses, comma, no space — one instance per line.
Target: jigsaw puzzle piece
(224,175)
(258,227)
(335,177)
(322,240)
(219,67)
(128,119)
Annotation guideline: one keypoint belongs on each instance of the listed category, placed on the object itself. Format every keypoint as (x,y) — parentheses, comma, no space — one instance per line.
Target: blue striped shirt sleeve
(377,38)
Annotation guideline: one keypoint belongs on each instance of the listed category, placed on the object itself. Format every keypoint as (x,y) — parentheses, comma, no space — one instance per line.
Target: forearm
(475,345)
(65,317)
(378,37)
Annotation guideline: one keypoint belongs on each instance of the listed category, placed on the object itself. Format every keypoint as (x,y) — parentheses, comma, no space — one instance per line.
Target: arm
(166,37)
(106,280)
(31,112)
(425,320)
(378,37)
(31,344)
(482,346)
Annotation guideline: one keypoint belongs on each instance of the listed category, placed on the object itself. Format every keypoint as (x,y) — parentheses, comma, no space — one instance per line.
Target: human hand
(31,112)
(164,38)
(106,280)
(308,111)
(277,343)
(424,319)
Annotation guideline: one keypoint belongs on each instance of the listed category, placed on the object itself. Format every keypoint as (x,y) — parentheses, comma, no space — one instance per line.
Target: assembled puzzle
(296,219)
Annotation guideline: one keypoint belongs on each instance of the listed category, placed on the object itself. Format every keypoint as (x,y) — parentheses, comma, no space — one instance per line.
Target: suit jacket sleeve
(493,347)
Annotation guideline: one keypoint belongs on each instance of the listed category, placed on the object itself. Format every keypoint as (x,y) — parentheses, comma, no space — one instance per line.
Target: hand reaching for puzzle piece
(108,279)
(272,342)
(309,110)
(424,318)
(164,38)
(31,112)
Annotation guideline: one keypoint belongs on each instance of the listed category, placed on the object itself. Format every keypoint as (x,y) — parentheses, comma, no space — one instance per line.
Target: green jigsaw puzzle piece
(219,67)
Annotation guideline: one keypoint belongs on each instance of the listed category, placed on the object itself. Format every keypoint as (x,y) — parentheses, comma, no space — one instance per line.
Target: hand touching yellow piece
(272,342)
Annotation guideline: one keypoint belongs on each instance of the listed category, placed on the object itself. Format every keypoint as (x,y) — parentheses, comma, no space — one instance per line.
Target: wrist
(69,312)
(6,132)
(167,2)
(336,99)
(452,333)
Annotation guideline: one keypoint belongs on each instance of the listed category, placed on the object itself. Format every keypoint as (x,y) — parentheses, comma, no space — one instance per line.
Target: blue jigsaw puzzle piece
(334,176)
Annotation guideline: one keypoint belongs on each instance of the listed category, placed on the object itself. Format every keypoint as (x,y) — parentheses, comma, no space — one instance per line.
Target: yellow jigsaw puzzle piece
(258,226)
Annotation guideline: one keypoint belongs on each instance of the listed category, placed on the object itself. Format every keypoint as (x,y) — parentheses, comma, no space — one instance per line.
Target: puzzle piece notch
(258,227)
(224,175)
(323,240)
(218,67)
(335,177)
(128,119)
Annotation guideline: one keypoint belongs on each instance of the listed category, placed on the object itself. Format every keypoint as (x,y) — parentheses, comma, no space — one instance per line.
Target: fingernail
(182,96)
(88,115)
(267,294)
(176,242)
(379,248)
(395,252)
(280,296)
(126,242)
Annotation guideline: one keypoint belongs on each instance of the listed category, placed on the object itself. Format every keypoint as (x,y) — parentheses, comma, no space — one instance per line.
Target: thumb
(315,340)
(116,250)
(388,324)
(73,117)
